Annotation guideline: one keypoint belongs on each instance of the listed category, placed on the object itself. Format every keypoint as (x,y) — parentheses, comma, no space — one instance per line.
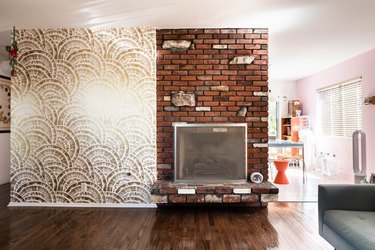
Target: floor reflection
(190,227)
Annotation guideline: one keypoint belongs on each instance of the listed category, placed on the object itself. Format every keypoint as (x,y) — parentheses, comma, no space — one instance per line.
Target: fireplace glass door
(210,153)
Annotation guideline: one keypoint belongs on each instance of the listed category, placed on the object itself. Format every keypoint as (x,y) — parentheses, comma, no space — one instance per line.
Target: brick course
(206,64)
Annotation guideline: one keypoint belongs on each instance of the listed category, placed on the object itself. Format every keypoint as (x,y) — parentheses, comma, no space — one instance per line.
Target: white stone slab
(260,93)
(176,44)
(186,191)
(219,46)
(203,109)
(242,190)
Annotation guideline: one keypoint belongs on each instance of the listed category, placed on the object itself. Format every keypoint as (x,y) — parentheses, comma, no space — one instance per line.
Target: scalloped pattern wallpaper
(84,116)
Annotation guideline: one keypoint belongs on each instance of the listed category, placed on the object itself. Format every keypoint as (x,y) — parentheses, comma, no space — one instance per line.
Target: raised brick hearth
(251,194)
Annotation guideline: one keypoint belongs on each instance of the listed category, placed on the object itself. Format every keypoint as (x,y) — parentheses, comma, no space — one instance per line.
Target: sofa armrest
(344,197)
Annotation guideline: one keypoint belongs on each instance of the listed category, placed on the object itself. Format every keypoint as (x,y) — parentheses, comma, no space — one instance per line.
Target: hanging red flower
(13,53)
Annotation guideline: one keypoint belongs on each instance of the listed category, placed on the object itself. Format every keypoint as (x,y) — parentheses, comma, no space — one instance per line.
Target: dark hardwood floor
(281,226)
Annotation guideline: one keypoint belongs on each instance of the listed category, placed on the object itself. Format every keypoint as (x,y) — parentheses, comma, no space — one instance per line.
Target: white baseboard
(81,205)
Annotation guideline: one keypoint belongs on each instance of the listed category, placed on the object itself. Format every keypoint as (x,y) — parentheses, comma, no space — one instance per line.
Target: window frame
(338,108)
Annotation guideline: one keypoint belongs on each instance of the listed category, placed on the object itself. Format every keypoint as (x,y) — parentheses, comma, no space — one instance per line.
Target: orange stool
(281,166)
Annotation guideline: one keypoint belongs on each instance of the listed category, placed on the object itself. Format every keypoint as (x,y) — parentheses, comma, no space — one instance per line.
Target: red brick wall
(201,66)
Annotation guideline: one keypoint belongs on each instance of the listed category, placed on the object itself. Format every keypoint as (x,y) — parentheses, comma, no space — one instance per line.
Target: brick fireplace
(212,76)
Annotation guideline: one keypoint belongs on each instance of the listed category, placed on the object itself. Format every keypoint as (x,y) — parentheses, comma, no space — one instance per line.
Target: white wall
(4,157)
(361,65)
(283,91)
(4,141)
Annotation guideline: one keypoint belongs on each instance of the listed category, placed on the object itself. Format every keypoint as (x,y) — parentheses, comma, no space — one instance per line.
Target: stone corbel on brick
(176,44)
(242,60)
(220,88)
(183,99)
(242,111)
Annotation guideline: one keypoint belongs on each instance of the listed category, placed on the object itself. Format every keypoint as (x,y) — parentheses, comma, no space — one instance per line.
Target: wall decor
(13,53)
(4,104)
(84,116)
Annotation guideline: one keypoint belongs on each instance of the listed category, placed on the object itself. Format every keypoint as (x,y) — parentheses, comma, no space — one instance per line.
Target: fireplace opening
(211,153)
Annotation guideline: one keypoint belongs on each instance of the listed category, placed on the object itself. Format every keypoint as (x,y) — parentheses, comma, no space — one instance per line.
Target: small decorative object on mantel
(13,53)
(256,177)
(372,178)
(369,100)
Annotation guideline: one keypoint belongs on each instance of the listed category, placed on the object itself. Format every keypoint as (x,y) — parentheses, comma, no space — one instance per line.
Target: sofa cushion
(357,227)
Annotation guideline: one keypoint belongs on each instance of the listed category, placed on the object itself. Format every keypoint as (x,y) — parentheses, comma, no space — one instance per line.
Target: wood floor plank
(280,226)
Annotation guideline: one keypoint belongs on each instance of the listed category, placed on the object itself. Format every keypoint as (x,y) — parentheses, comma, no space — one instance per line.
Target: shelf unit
(286,128)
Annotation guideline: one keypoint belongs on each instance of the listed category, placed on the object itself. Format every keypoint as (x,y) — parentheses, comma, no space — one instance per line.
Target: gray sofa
(347,216)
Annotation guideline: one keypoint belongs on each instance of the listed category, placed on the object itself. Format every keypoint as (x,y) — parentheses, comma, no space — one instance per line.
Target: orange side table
(281,166)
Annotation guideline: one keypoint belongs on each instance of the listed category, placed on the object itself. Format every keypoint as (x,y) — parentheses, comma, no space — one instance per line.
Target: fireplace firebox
(210,153)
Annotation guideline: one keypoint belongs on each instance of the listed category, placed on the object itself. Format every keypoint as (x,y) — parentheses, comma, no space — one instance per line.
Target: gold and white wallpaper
(83,116)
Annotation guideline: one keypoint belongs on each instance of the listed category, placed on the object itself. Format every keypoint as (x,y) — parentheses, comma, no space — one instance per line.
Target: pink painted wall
(361,65)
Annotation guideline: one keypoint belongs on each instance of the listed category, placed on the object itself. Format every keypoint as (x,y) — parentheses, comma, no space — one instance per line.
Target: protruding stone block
(219,46)
(212,198)
(228,31)
(242,112)
(177,123)
(176,44)
(186,191)
(260,145)
(183,99)
(253,140)
(261,31)
(203,109)
(167,98)
(261,93)
(242,60)
(220,88)
(242,190)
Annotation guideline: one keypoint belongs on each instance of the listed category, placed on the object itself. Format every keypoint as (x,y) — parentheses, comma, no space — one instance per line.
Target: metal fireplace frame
(213,125)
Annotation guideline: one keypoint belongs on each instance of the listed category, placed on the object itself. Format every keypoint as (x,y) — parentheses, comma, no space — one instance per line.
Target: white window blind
(340,108)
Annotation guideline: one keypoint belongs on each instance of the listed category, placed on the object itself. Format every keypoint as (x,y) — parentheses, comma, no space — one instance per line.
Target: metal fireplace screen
(210,153)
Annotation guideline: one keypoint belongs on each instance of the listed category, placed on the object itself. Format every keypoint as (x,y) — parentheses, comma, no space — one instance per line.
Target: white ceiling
(306,36)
